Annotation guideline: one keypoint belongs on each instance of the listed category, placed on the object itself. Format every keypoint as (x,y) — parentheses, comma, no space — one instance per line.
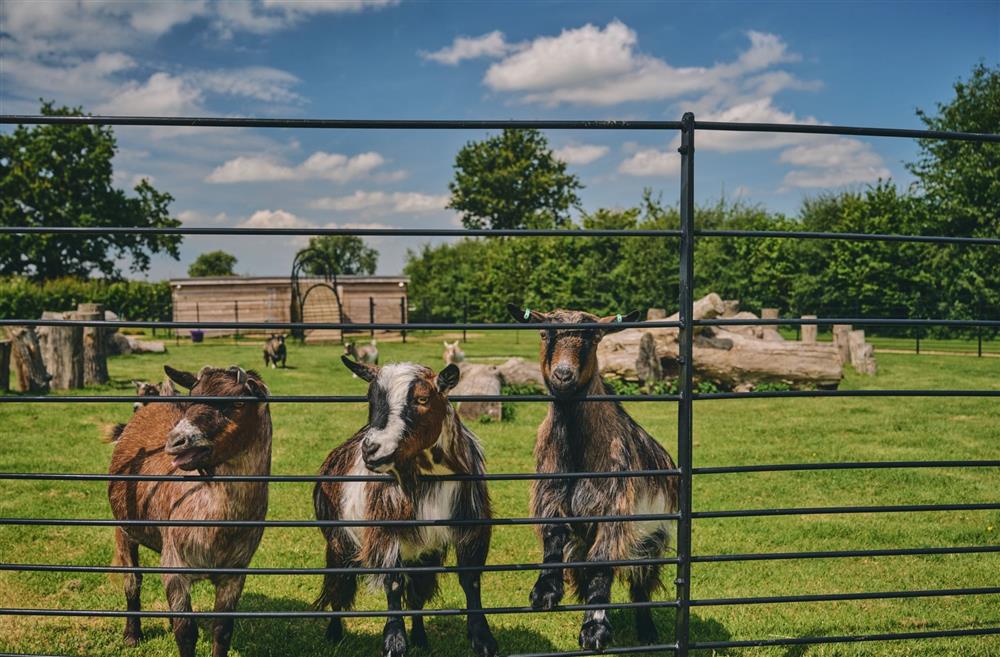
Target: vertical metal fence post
(402,315)
(371,316)
(685,407)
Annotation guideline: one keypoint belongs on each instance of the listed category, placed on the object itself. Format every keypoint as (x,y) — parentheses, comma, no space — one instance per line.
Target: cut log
(648,367)
(518,371)
(842,340)
(4,365)
(862,353)
(26,358)
(118,345)
(95,356)
(769,313)
(730,307)
(807,332)
(654,314)
(62,352)
(137,346)
(478,379)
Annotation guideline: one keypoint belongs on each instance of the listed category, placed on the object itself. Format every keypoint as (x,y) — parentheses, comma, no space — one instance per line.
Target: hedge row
(21,298)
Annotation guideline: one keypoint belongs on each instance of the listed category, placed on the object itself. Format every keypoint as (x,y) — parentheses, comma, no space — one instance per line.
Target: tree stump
(648,367)
(4,365)
(841,339)
(478,379)
(62,352)
(769,313)
(654,314)
(26,357)
(95,356)
(808,331)
(862,353)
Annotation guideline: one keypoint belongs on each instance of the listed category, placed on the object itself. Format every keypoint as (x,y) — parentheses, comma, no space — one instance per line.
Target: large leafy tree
(512,180)
(59,175)
(334,255)
(959,182)
(213,263)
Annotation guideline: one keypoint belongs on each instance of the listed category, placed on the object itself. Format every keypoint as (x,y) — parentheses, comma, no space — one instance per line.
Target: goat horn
(203,370)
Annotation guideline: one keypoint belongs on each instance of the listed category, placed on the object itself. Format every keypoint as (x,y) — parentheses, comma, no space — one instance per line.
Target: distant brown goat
(142,389)
(595,436)
(275,351)
(412,430)
(168,438)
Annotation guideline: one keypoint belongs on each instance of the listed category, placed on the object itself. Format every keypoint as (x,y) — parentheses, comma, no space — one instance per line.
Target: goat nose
(563,374)
(176,440)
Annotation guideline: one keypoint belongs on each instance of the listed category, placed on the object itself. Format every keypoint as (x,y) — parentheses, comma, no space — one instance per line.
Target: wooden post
(465,318)
(769,313)
(841,338)
(4,365)
(95,357)
(653,314)
(371,316)
(236,312)
(402,315)
(62,352)
(26,357)
(862,353)
(808,331)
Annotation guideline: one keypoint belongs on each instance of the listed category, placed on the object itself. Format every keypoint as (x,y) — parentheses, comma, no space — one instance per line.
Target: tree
(512,180)
(61,175)
(334,255)
(959,183)
(213,263)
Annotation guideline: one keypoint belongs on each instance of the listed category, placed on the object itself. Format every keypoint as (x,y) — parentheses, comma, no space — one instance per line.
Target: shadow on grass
(273,637)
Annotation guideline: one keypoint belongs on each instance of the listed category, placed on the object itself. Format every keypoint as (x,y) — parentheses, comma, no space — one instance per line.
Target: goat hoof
(132,639)
(546,594)
(595,634)
(335,630)
(484,645)
(418,637)
(393,641)
(648,635)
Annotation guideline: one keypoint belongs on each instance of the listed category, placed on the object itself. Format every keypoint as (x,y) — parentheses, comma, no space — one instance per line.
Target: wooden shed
(269,299)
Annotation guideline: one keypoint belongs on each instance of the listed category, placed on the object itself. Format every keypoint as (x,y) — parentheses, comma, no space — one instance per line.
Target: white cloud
(580,153)
(832,162)
(161,95)
(491,45)
(195,217)
(381,203)
(594,66)
(651,162)
(319,165)
(274,219)
(262,83)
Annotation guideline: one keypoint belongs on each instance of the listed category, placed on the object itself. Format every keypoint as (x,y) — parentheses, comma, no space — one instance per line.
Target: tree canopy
(335,255)
(61,175)
(512,180)
(213,263)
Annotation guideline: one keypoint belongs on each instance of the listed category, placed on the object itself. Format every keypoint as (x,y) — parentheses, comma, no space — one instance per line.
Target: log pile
(738,357)
(481,379)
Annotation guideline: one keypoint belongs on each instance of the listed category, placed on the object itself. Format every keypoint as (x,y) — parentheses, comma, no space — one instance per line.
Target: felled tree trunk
(26,357)
(478,379)
(95,356)
(4,365)
(62,352)
(518,371)
(731,355)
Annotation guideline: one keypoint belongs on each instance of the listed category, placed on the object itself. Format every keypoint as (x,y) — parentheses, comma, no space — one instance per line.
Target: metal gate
(685,400)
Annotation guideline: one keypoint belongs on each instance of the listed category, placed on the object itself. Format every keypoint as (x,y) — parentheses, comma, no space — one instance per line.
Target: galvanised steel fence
(682,644)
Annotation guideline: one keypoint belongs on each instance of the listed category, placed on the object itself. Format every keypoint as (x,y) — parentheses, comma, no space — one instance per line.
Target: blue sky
(863,63)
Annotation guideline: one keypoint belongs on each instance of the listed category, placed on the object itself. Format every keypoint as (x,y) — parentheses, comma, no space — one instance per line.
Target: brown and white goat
(367,354)
(595,436)
(453,353)
(275,351)
(412,430)
(168,438)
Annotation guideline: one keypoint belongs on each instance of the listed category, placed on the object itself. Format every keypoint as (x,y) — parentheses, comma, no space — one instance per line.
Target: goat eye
(544,334)
(422,400)
(238,404)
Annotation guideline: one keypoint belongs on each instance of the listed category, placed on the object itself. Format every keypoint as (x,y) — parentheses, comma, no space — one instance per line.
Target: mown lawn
(63,438)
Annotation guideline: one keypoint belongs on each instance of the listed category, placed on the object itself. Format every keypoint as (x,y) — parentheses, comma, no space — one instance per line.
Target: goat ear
(366,372)
(613,321)
(525,315)
(448,378)
(183,379)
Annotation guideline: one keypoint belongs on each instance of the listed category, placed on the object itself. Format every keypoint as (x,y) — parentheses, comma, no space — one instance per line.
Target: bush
(21,298)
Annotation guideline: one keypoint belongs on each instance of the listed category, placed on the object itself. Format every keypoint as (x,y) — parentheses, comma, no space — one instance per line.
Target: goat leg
(394,633)
(227,594)
(548,590)
(472,552)
(127,554)
(595,634)
(178,588)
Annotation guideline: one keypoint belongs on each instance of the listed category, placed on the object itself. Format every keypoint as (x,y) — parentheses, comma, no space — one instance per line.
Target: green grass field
(63,438)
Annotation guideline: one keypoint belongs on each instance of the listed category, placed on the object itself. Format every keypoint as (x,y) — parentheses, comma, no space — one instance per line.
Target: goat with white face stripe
(412,430)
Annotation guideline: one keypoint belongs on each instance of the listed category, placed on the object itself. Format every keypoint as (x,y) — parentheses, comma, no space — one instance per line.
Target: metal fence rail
(683,239)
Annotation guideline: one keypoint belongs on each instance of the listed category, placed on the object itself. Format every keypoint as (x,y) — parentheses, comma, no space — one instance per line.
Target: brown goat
(275,351)
(412,430)
(595,436)
(172,437)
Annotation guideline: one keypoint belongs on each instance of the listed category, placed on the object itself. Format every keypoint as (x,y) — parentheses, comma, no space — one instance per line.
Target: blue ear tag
(527,313)
(618,318)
